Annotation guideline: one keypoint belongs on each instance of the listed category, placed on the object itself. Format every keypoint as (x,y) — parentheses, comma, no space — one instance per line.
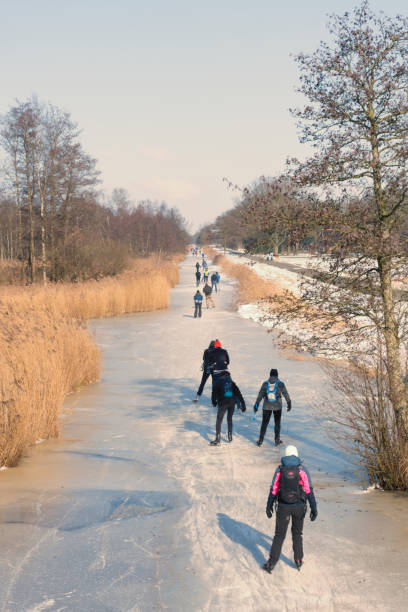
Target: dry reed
(251,287)
(46,350)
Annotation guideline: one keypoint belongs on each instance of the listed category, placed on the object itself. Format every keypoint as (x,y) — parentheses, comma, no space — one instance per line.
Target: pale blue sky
(172,95)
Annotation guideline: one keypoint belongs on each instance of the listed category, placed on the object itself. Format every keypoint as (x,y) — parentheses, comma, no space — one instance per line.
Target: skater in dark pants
(198,302)
(198,278)
(225,394)
(291,487)
(271,393)
(208,367)
(220,361)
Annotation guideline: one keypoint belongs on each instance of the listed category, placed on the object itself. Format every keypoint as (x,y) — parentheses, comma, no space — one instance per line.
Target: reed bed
(46,350)
(251,287)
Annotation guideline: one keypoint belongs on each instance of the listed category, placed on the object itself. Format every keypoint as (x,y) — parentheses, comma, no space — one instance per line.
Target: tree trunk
(31,256)
(391,331)
(392,344)
(20,252)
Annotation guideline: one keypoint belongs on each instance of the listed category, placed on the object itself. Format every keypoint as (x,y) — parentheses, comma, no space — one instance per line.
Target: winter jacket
(198,298)
(198,275)
(218,277)
(213,278)
(304,480)
(208,360)
(217,396)
(221,359)
(281,390)
(207,290)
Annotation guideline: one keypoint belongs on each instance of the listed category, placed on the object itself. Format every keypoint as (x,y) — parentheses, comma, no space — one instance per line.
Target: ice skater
(208,367)
(198,277)
(221,360)
(198,302)
(291,487)
(209,302)
(226,395)
(271,393)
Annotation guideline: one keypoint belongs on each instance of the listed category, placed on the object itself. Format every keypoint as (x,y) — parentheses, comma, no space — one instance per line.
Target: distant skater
(208,368)
(214,282)
(291,487)
(198,302)
(197,266)
(271,393)
(209,302)
(226,395)
(218,280)
(198,278)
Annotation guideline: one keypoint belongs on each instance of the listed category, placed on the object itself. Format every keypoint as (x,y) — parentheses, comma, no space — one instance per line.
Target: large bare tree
(356,120)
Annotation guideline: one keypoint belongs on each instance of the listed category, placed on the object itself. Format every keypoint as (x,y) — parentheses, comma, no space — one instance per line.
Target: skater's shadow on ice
(189,316)
(164,394)
(203,430)
(248,537)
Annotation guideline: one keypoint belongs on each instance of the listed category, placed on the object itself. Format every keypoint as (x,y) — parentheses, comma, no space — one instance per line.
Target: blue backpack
(272,395)
(227,387)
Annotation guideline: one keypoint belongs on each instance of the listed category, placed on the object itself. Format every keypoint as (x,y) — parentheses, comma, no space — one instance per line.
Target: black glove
(289,406)
(243,408)
(313,514)
(255,407)
(214,404)
(269,512)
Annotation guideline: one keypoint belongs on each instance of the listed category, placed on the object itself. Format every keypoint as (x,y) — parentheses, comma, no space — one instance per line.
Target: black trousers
(204,379)
(277,415)
(229,408)
(197,310)
(283,514)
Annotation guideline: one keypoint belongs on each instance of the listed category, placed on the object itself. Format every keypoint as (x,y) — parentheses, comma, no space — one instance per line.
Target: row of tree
(349,199)
(53,221)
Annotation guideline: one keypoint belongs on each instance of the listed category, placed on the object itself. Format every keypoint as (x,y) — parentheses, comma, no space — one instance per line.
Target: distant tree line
(53,222)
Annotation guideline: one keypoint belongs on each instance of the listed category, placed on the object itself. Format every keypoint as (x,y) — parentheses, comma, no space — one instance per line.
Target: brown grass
(251,287)
(46,350)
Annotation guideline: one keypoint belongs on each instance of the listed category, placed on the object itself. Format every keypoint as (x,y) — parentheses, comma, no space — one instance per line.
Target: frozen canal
(132,510)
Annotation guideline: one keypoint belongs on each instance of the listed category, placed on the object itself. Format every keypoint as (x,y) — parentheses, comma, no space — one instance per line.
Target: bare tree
(356,121)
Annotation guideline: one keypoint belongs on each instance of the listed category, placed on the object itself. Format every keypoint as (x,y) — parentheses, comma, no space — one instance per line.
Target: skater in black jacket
(271,393)
(291,487)
(208,367)
(225,394)
(221,359)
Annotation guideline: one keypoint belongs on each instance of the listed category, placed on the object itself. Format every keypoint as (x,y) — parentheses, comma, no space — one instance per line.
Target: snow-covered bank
(296,330)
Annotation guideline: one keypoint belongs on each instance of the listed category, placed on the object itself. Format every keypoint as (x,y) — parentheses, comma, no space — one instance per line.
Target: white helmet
(291,450)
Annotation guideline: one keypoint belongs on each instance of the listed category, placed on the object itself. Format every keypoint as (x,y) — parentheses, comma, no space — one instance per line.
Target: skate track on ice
(132,509)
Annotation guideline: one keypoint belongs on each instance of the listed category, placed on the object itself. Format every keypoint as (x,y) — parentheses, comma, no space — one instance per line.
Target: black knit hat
(273,372)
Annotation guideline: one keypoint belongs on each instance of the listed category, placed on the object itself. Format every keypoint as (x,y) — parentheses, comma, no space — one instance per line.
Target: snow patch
(44,605)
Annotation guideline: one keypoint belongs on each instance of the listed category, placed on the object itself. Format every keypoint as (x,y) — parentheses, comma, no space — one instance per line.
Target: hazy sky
(172,95)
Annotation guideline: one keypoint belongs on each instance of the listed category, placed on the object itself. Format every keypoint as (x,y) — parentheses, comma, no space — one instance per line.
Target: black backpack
(290,491)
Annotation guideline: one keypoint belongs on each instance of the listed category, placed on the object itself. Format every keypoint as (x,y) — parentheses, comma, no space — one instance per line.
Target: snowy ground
(133,510)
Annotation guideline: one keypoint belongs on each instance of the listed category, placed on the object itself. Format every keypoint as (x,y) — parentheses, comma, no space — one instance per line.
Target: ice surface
(132,509)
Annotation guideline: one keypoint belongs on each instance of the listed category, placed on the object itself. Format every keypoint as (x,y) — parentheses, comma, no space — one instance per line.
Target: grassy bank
(251,287)
(46,350)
